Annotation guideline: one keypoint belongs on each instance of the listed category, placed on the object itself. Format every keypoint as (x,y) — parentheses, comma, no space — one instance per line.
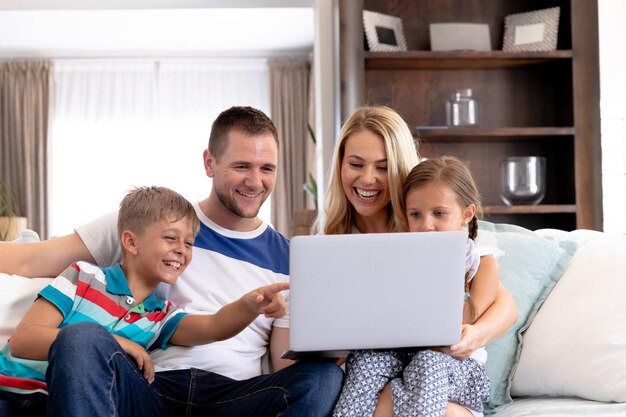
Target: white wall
(612,18)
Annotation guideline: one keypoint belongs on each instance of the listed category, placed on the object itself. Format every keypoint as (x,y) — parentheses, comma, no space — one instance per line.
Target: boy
(157,228)
(234,252)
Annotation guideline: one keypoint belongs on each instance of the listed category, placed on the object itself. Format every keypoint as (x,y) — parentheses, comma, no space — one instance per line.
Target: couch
(565,356)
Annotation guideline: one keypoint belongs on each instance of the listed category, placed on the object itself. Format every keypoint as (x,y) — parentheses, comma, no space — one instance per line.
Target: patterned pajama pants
(422,383)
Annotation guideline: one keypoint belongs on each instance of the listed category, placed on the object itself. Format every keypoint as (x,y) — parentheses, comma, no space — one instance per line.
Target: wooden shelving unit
(457,60)
(499,133)
(538,209)
(531,103)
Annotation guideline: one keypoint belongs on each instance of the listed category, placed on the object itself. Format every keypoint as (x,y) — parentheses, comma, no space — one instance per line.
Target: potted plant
(11,223)
(304,218)
(311,186)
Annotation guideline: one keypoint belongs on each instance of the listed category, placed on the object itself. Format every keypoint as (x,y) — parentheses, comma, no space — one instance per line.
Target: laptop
(375,291)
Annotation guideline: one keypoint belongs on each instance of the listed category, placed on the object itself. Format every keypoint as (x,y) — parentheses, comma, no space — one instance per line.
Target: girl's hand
(466,346)
(140,356)
(267,300)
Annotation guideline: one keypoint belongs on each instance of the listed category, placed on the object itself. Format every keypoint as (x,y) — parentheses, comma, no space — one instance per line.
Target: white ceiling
(107,28)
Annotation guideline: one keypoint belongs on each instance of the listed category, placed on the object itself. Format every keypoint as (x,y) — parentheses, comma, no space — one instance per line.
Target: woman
(372,158)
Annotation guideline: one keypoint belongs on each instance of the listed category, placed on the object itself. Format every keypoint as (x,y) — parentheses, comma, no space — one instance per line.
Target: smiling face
(434,207)
(163,250)
(364,175)
(243,177)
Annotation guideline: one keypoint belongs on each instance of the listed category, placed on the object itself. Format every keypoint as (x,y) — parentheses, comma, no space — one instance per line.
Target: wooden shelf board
(410,60)
(531,209)
(473,133)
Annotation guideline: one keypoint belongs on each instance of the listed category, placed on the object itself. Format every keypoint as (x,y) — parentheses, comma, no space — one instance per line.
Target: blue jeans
(90,374)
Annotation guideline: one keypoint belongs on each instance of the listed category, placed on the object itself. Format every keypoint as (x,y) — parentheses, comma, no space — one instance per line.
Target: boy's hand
(267,300)
(140,356)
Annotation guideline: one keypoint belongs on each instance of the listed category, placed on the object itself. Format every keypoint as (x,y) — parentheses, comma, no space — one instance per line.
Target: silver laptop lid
(371,291)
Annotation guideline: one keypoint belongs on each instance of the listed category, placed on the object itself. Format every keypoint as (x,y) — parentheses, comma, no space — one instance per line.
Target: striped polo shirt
(86,293)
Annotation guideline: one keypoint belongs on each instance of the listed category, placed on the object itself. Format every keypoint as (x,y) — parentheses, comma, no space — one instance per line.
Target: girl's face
(364,174)
(435,207)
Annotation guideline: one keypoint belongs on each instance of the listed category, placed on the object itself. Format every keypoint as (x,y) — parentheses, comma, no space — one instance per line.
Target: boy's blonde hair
(144,206)
(402,155)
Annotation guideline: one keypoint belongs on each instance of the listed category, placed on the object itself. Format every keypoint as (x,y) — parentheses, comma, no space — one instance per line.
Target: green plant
(9,207)
(311,186)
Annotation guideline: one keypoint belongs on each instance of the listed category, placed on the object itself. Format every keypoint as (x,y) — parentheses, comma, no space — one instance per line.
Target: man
(234,252)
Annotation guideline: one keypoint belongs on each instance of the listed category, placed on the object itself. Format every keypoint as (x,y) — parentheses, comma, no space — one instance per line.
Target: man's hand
(267,300)
(139,355)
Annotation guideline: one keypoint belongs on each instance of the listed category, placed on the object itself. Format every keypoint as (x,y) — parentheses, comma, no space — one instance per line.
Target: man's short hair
(144,206)
(247,120)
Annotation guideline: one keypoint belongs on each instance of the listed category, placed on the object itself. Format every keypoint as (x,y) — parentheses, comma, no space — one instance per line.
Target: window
(120,123)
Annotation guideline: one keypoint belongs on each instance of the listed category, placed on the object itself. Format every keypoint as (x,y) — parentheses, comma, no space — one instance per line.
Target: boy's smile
(162,251)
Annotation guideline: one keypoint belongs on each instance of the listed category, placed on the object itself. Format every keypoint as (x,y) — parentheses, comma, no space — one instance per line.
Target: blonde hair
(144,206)
(402,155)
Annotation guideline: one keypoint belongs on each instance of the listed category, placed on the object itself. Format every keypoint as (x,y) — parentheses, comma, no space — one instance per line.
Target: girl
(373,155)
(439,195)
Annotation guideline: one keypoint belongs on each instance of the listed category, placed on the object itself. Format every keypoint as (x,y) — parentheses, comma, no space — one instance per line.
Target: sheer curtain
(124,123)
(289,83)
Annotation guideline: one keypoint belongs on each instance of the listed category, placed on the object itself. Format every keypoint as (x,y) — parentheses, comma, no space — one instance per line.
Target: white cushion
(576,345)
(17,293)
(27,236)
(16,296)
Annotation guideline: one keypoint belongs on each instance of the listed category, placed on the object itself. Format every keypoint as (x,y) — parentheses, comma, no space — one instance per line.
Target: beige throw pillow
(576,344)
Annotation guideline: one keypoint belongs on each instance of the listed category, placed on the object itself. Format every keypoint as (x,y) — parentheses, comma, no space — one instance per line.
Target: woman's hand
(466,346)
(493,324)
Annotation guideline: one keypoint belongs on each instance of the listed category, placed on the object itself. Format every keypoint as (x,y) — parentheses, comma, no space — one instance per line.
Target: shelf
(411,60)
(531,103)
(530,209)
(442,133)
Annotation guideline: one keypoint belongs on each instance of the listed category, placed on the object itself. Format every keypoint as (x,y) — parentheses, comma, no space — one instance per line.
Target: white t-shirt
(225,265)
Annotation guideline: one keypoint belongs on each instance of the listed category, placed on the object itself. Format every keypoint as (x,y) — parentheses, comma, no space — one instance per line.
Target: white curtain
(124,123)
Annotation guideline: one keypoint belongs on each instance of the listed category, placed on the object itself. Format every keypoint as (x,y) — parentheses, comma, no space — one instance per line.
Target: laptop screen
(371,291)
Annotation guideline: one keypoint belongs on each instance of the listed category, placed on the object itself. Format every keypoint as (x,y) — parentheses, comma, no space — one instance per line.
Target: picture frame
(383,33)
(532,31)
(459,37)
